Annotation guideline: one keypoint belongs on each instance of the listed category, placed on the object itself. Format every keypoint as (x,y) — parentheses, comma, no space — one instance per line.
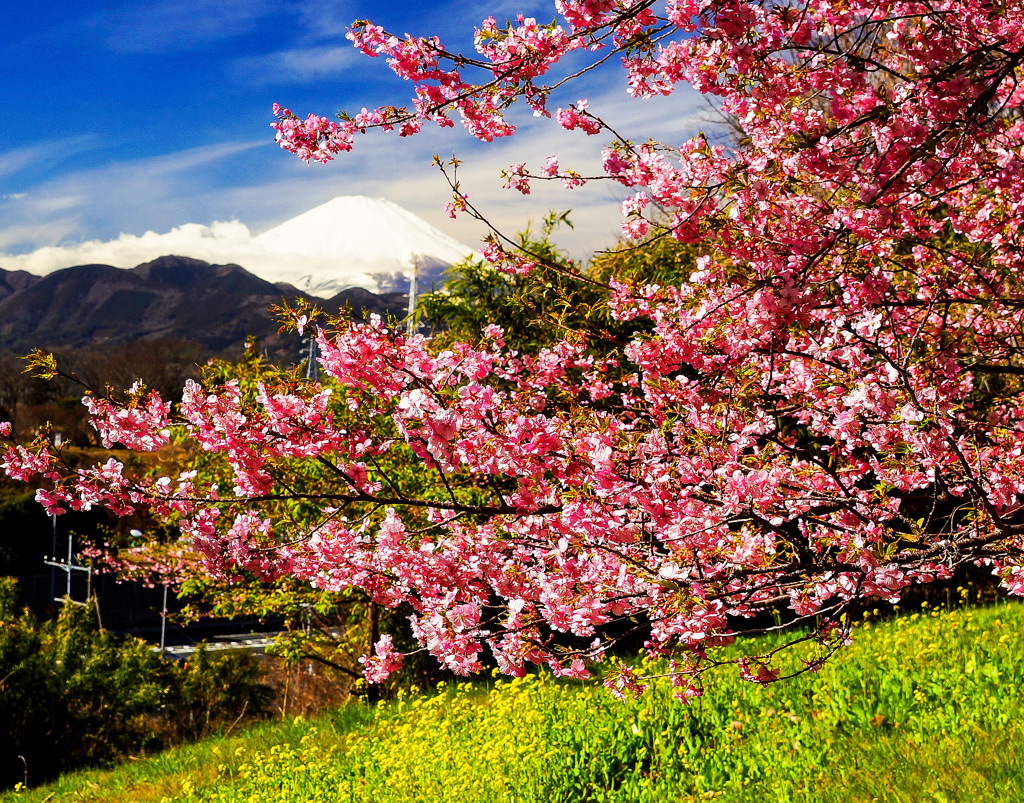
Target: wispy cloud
(48,205)
(327,20)
(179,161)
(300,64)
(17,159)
(52,231)
(133,195)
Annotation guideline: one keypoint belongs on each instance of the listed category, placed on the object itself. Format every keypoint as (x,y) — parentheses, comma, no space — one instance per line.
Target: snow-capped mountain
(355,241)
(350,241)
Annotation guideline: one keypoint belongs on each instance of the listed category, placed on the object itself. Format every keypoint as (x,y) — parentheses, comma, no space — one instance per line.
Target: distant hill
(13,281)
(170,298)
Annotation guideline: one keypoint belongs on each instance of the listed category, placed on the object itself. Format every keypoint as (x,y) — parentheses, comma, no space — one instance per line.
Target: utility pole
(68,566)
(53,549)
(312,366)
(71,555)
(410,324)
(53,554)
(163,623)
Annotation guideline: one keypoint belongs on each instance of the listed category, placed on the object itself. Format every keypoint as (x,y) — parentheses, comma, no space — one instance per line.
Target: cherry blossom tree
(825,409)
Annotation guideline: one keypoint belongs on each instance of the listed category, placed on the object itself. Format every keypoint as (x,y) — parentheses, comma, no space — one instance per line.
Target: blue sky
(123,117)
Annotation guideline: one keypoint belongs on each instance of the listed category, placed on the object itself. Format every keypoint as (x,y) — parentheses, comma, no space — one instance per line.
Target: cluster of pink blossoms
(385,661)
(826,410)
(314,139)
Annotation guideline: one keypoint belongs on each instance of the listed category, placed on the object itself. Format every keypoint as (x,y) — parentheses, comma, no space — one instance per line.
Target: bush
(73,695)
(70,694)
(210,691)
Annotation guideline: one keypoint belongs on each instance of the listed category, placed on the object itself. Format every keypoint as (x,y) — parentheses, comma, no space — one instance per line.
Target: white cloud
(213,243)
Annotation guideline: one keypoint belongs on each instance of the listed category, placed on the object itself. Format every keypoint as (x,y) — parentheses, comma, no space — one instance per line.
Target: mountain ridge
(169,298)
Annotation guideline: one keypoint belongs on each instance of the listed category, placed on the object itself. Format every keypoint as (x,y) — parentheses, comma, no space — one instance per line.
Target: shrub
(74,695)
(70,694)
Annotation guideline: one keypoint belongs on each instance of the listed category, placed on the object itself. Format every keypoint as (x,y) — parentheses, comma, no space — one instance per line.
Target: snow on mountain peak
(353,240)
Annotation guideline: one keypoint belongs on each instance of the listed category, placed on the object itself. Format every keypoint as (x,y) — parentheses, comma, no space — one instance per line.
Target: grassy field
(924,707)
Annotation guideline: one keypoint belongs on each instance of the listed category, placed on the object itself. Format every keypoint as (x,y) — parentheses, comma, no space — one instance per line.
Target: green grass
(922,707)
(163,775)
